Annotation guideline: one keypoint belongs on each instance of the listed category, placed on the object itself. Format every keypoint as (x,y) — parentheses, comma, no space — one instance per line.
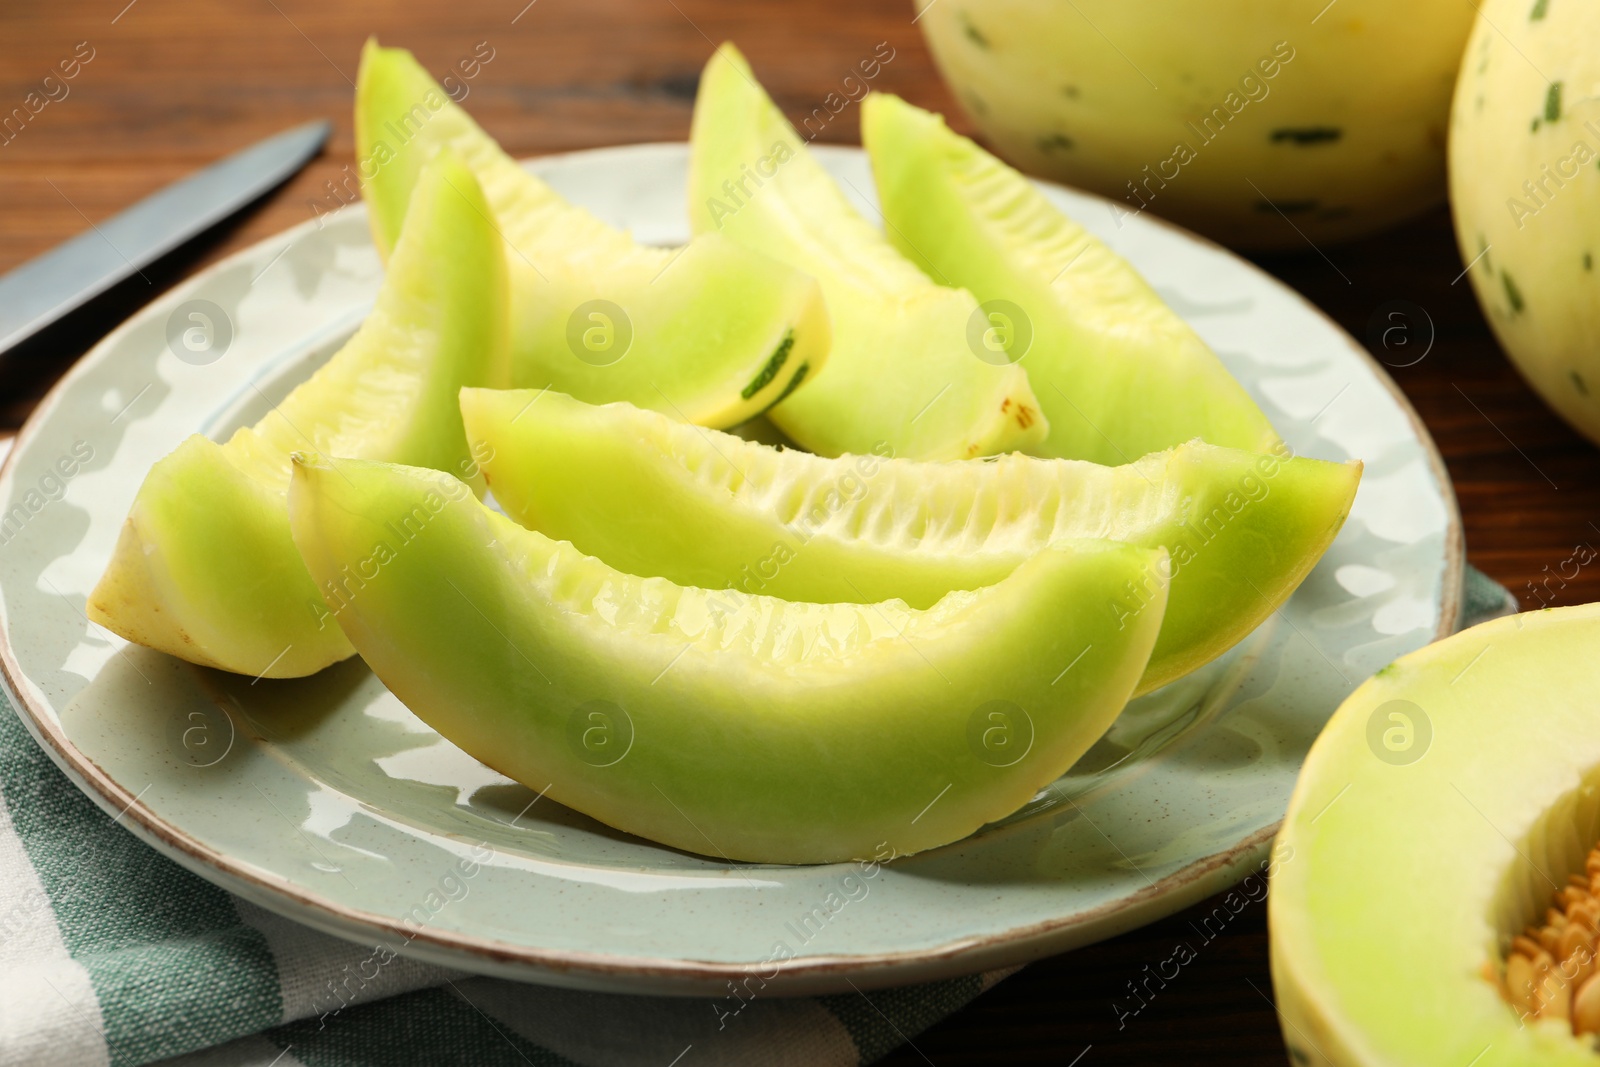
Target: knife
(49,286)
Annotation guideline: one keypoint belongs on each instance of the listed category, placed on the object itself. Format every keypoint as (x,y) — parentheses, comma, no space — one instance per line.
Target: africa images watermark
(851,887)
(50,487)
(451,887)
(1200,529)
(1582,555)
(401,130)
(1254,87)
(339,593)
(737,192)
(1542,190)
(847,488)
(53,89)
(1152,980)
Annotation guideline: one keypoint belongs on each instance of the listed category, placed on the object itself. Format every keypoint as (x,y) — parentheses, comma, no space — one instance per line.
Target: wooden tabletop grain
(174,84)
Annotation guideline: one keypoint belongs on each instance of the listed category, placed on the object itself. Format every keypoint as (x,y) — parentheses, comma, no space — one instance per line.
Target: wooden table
(173,85)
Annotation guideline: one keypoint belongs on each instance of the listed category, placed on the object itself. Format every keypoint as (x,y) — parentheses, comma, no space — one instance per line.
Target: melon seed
(1539,987)
(1519,984)
(1523,945)
(1586,1007)
(1580,964)
(1555,1000)
(1572,938)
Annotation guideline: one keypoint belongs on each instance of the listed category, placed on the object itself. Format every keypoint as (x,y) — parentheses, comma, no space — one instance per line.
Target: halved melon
(654,497)
(903,373)
(204,567)
(1434,897)
(758,730)
(712,332)
(1116,371)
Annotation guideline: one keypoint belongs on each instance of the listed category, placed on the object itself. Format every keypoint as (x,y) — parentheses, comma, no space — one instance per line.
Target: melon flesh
(204,567)
(655,497)
(752,730)
(1116,371)
(902,374)
(1443,805)
(712,332)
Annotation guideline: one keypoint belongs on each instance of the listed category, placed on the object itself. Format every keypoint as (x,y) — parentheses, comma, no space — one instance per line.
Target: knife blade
(47,287)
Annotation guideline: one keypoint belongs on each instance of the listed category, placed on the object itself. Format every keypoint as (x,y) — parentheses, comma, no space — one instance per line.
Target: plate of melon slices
(663,566)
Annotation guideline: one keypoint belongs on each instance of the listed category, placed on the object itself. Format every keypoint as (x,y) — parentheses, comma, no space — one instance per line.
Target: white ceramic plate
(326,800)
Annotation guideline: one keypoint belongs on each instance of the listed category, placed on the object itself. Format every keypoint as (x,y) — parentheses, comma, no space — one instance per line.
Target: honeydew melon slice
(903,373)
(204,567)
(712,332)
(1440,813)
(759,730)
(1116,371)
(655,497)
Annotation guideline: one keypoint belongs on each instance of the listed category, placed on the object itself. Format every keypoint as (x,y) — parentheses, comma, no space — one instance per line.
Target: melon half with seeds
(710,509)
(763,730)
(1434,903)
(1525,185)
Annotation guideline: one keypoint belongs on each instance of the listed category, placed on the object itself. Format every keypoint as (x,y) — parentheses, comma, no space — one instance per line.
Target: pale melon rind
(759,730)
(1260,124)
(1404,861)
(204,567)
(193,572)
(713,333)
(902,373)
(1116,371)
(652,496)
(1525,185)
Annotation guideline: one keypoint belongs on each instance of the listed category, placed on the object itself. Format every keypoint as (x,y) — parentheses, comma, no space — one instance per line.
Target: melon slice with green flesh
(655,497)
(745,728)
(1440,815)
(902,373)
(204,567)
(1116,371)
(712,332)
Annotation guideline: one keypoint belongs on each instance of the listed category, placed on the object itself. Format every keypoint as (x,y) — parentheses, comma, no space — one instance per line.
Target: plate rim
(688,977)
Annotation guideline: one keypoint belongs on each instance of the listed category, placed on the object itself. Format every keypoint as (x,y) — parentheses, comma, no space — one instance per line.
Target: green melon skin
(204,567)
(1401,877)
(655,497)
(1116,371)
(763,731)
(713,332)
(902,373)
(1525,186)
(1251,121)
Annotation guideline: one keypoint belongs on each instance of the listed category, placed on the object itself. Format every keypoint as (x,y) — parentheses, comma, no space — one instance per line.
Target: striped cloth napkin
(112,954)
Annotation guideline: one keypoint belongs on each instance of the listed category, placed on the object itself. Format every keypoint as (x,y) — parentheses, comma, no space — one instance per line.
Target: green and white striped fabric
(112,954)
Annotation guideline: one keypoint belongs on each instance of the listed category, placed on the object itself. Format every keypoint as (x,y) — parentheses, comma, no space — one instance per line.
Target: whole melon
(1264,123)
(1525,185)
